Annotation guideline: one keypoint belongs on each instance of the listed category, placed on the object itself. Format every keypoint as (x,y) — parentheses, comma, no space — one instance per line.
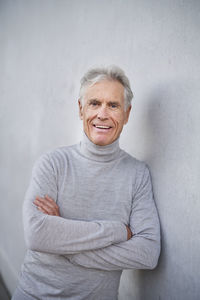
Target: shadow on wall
(4,294)
(169,116)
(170,130)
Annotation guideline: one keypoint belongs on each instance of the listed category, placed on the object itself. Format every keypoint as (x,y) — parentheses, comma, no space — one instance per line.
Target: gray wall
(45,47)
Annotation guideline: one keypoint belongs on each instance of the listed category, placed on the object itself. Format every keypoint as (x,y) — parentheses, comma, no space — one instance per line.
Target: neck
(99,153)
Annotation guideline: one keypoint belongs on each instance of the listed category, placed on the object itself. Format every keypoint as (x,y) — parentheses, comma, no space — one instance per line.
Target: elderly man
(89,211)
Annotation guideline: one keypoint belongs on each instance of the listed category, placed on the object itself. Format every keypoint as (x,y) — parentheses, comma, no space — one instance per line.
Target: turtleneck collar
(99,153)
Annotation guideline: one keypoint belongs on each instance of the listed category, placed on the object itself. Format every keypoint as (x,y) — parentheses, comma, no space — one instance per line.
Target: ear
(127,113)
(80,109)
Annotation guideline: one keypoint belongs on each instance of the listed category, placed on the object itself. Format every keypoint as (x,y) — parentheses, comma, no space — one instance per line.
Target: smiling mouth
(104,127)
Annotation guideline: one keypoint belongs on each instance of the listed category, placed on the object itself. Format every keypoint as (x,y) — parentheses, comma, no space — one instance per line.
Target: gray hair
(95,75)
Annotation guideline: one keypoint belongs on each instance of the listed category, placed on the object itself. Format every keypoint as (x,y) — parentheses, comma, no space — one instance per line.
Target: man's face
(103,112)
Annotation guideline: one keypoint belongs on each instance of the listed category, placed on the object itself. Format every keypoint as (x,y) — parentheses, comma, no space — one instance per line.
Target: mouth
(102,127)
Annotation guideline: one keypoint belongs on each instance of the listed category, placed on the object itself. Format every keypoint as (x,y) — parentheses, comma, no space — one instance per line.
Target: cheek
(86,115)
(118,119)
(88,112)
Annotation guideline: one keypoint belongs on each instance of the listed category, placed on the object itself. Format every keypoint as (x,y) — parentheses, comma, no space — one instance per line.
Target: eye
(114,104)
(93,103)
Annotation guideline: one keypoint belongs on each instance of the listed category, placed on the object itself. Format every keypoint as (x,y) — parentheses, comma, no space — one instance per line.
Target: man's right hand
(129,233)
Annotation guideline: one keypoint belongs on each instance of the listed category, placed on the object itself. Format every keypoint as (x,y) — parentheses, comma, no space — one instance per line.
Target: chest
(95,191)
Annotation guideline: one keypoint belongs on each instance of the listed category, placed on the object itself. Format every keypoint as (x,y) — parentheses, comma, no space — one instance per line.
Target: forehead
(108,90)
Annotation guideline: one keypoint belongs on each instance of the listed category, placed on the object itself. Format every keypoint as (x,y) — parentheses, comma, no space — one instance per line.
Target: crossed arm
(101,245)
(140,251)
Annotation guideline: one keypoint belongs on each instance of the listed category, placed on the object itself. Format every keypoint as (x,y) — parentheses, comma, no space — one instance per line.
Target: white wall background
(45,47)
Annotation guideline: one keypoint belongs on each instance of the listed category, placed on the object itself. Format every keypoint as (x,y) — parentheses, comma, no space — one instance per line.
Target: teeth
(102,127)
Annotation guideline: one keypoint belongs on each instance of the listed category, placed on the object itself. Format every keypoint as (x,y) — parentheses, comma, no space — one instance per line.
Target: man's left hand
(47,205)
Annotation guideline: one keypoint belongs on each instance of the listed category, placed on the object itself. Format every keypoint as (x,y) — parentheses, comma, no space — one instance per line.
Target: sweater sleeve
(58,235)
(143,249)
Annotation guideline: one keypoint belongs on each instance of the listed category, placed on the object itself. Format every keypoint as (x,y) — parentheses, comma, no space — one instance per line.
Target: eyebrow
(110,102)
(114,103)
(93,100)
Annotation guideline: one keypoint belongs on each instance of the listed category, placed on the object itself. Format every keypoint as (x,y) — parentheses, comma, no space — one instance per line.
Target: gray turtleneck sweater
(81,254)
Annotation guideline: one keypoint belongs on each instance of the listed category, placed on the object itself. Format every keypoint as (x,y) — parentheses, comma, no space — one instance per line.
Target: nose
(102,113)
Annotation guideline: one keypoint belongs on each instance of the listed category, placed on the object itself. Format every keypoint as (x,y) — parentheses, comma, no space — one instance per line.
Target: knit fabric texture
(81,254)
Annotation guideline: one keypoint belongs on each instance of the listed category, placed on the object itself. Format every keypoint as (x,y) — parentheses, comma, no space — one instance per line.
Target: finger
(49,199)
(48,208)
(42,210)
(46,202)
(53,204)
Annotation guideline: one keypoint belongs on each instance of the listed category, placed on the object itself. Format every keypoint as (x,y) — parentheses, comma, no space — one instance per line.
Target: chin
(101,142)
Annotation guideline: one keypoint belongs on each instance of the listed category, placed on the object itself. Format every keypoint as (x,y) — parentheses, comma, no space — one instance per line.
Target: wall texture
(45,47)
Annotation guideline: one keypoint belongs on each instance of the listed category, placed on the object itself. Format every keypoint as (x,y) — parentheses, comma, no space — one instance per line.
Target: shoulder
(61,152)
(57,158)
(136,168)
(133,162)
